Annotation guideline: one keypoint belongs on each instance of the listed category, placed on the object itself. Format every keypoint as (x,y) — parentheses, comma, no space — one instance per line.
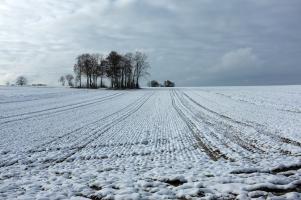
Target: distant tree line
(122,71)
(23,81)
(167,83)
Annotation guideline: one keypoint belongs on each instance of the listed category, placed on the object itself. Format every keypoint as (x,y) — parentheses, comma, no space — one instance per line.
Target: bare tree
(78,72)
(82,67)
(77,80)
(141,67)
(124,71)
(95,68)
(21,80)
(69,78)
(89,66)
(102,71)
(113,69)
(62,80)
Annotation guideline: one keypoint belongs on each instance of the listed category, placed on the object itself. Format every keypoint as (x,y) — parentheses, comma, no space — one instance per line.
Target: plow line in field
(78,141)
(55,110)
(203,144)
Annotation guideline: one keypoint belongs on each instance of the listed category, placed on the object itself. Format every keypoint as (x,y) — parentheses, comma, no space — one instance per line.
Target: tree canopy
(123,71)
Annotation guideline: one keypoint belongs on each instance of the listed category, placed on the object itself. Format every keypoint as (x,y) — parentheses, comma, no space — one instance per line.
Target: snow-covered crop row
(177,143)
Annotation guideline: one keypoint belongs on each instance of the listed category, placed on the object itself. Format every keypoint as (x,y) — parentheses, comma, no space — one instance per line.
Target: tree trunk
(80,79)
(91,83)
(137,82)
(87,82)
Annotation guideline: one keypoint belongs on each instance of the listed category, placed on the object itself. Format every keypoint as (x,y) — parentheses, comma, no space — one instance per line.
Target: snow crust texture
(178,143)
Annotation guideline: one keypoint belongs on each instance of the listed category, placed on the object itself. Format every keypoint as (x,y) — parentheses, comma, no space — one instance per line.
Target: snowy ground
(181,143)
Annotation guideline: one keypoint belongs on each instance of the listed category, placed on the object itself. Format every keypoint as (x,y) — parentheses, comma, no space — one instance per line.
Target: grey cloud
(243,59)
(198,42)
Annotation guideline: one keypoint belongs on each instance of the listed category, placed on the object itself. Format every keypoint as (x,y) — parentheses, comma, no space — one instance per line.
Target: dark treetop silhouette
(123,71)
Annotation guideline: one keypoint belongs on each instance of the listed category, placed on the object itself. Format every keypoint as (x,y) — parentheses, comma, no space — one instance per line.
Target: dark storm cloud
(197,42)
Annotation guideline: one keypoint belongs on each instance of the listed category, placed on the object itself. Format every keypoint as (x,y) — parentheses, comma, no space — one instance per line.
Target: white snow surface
(161,143)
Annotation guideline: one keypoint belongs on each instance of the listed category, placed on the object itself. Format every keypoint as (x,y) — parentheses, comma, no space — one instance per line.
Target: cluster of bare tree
(123,71)
(67,78)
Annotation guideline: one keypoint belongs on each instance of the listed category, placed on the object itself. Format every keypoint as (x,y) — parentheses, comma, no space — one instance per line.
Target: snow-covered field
(180,143)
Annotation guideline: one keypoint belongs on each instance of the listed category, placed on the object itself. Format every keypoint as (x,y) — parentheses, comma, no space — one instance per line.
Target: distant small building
(154,83)
(38,85)
(169,83)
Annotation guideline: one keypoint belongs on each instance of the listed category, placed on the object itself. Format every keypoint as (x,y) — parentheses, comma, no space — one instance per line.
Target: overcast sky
(193,42)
